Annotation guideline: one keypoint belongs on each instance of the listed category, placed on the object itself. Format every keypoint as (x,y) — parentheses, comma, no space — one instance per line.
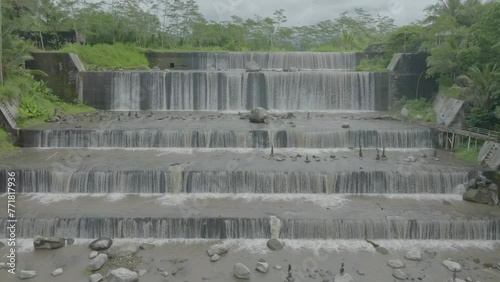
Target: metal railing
(486,133)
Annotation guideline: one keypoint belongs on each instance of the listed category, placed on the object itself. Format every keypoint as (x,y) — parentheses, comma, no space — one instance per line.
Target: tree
(279,19)
(481,86)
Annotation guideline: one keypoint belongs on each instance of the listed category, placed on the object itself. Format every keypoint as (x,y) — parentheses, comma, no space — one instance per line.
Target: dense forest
(461,36)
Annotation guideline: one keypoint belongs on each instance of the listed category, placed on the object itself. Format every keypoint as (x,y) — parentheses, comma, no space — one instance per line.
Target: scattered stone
(343,278)
(410,159)
(452,266)
(259,115)
(218,249)
(414,254)
(241,271)
(472,183)
(468,279)
(396,263)
(277,267)
(142,272)
(96,277)
(480,193)
(146,246)
(57,272)
(346,125)
(70,241)
(165,274)
(49,243)
(360,272)
(262,267)
(122,249)
(399,274)
(275,244)
(454,280)
(27,274)
(214,258)
(98,262)
(252,67)
(3,265)
(289,115)
(122,275)
(101,244)
(93,254)
(2,245)
(405,113)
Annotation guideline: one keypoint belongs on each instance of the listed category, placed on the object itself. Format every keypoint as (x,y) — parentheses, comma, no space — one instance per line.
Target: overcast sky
(307,12)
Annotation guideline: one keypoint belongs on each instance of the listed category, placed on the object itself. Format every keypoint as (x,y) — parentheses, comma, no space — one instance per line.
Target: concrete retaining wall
(494,161)
(451,108)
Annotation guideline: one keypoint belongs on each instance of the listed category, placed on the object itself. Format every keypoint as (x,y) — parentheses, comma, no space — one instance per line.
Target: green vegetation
(104,56)
(6,146)
(376,64)
(420,110)
(468,155)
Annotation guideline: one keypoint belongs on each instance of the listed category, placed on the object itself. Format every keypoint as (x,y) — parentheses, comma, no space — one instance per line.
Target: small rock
(142,272)
(122,275)
(405,112)
(277,267)
(218,249)
(57,272)
(452,266)
(399,274)
(414,254)
(346,125)
(165,274)
(468,279)
(2,245)
(262,267)
(382,250)
(252,67)
(27,274)
(96,277)
(396,263)
(101,244)
(49,243)
(146,246)
(258,115)
(122,249)
(275,244)
(360,272)
(214,258)
(70,241)
(98,262)
(3,265)
(343,278)
(93,254)
(241,271)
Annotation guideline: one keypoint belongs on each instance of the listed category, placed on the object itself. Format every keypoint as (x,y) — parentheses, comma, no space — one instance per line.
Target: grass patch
(420,110)
(105,56)
(452,92)
(375,64)
(6,146)
(468,155)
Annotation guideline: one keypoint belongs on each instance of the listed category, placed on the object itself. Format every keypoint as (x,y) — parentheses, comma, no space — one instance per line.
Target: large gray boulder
(452,266)
(241,271)
(218,249)
(396,263)
(262,266)
(414,254)
(101,244)
(275,244)
(27,274)
(122,275)
(122,249)
(49,243)
(483,196)
(259,115)
(399,274)
(252,67)
(97,262)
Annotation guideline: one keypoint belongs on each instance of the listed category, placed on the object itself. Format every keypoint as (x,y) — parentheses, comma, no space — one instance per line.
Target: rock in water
(454,280)
(344,278)
(122,275)
(96,277)
(101,244)
(258,115)
(218,249)
(98,262)
(382,250)
(146,246)
(275,244)
(214,258)
(49,243)
(122,249)
(346,125)
(405,112)
(262,267)
(93,254)
(396,263)
(399,274)
(57,272)
(241,271)
(452,266)
(414,254)
(252,67)
(27,274)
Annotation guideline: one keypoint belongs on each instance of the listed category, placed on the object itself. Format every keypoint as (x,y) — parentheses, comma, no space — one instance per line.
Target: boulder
(262,267)
(214,258)
(93,254)
(343,278)
(49,243)
(252,67)
(382,250)
(405,113)
(396,263)
(218,249)
(452,266)
(275,244)
(258,115)
(482,196)
(96,277)
(101,244)
(98,262)
(70,241)
(414,254)
(27,274)
(241,271)
(346,125)
(122,249)
(57,272)
(122,275)
(399,274)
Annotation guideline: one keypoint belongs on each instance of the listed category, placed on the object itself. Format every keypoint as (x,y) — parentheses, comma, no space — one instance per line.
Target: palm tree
(481,86)
(457,11)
